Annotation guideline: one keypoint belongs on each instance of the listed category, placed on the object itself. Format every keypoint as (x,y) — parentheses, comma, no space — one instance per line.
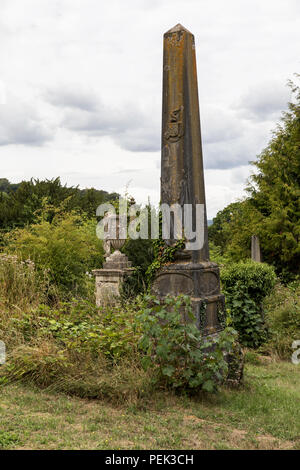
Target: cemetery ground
(263,414)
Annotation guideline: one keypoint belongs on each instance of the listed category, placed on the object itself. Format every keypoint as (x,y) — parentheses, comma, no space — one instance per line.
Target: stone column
(182,180)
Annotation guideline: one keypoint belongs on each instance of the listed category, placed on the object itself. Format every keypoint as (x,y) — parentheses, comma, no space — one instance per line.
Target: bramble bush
(245,286)
(175,349)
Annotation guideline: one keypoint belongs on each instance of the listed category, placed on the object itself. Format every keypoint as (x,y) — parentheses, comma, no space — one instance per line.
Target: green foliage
(283,319)
(8,439)
(219,233)
(140,253)
(19,203)
(245,286)
(76,348)
(83,349)
(251,357)
(66,248)
(81,327)
(215,254)
(175,348)
(163,254)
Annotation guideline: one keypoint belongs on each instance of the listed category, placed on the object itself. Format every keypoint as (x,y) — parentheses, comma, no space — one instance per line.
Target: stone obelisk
(182,180)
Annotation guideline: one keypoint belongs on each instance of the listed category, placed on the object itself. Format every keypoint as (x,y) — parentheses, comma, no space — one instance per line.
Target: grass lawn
(263,414)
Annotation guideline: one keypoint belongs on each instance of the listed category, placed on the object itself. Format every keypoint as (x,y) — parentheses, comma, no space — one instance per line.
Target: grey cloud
(21,124)
(237,152)
(219,125)
(225,156)
(264,102)
(71,97)
(128,126)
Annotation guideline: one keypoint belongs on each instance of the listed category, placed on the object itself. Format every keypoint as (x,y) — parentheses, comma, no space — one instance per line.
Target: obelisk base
(200,281)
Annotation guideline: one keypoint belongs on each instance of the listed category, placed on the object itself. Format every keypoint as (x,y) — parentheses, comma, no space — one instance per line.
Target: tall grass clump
(20,283)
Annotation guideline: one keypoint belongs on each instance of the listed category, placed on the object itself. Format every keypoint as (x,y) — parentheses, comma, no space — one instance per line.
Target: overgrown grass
(76,348)
(264,414)
(20,285)
(283,319)
(94,352)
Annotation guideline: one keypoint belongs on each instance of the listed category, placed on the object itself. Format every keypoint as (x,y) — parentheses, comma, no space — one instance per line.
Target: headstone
(255,249)
(182,180)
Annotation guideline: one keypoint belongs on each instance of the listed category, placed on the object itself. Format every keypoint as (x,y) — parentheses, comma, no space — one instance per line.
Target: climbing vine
(163,254)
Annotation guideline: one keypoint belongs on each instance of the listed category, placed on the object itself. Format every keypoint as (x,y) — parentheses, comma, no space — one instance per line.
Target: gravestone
(182,181)
(255,249)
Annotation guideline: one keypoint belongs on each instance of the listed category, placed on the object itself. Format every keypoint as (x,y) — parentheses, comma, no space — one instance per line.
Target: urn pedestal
(110,278)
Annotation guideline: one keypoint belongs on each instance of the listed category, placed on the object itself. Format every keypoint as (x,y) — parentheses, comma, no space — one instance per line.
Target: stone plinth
(200,281)
(110,278)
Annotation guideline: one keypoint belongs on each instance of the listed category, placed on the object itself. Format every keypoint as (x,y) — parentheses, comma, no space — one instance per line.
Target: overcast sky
(81,87)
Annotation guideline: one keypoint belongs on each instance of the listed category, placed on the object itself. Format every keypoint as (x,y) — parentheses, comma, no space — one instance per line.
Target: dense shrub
(176,350)
(283,319)
(245,286)
(66,248)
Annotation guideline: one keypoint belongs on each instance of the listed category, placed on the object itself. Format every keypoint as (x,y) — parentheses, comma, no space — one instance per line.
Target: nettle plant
(180,356)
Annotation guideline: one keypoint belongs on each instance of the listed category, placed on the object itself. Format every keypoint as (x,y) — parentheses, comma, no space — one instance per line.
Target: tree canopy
(20,202)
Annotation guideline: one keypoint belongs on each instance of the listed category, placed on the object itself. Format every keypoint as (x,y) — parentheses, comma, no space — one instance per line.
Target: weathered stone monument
(255,249)
(182,181)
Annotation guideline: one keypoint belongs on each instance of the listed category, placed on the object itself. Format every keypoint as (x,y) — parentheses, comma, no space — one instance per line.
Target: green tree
(20,203)
(275,192)
(272,208)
